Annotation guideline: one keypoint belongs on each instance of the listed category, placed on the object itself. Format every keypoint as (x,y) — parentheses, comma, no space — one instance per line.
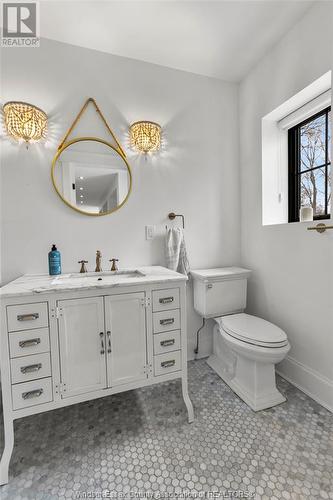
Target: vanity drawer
(165,299)
(167,363)
(166,342)
(30,367)
(27,316)
(166,320)
(32,393)
(29,342)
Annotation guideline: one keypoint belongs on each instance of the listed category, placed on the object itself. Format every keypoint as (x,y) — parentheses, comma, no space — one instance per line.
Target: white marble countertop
(34,284)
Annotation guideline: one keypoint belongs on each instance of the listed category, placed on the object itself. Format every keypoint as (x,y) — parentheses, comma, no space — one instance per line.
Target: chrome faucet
(98,262)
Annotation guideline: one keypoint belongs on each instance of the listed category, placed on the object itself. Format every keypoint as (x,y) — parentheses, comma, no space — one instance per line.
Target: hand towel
(175,251)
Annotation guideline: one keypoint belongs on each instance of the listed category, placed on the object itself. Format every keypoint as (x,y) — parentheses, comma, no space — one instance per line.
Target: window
(309,159)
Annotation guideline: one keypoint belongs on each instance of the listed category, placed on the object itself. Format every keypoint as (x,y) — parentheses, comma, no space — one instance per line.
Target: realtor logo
(20,21)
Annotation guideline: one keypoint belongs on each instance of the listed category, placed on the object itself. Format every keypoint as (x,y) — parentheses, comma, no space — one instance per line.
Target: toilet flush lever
(209,286)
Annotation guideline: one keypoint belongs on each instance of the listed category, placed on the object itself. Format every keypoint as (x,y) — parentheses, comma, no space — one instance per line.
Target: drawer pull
(165,343)
(167,364)
(27,317)
(167,321)
(32,394)
(29,343)
(166,300)
(31,368)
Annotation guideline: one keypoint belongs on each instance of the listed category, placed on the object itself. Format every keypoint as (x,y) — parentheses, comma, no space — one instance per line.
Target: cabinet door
(125,321)
(81,338)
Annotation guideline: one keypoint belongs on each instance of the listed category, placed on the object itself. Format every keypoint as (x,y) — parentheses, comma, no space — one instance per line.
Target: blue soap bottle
(54,261)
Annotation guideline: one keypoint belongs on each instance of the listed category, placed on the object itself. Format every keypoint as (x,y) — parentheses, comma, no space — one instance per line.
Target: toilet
(245,348)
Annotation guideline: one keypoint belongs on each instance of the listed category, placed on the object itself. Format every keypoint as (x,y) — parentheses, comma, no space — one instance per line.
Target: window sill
(314,222)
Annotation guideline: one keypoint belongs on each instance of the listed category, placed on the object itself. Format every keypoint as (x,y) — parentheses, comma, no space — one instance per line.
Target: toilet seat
(253,330)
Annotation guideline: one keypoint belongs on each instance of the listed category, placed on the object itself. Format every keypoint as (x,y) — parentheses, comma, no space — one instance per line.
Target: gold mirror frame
(102,141)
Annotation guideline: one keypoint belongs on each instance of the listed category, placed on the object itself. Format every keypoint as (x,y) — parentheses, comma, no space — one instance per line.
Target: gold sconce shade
(145,136)
(25,121)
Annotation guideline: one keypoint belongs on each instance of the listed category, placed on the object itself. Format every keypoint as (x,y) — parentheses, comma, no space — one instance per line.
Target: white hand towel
(175,251)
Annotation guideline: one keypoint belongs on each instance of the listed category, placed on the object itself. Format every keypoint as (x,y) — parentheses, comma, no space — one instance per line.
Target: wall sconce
(25,121)
(145,136)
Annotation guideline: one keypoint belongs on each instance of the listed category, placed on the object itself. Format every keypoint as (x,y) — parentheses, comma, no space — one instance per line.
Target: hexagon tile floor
(139,445)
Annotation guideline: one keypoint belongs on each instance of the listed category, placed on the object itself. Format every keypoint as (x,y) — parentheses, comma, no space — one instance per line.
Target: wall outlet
(150,232)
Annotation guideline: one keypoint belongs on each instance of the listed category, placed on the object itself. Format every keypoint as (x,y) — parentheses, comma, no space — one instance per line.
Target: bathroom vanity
(77,337)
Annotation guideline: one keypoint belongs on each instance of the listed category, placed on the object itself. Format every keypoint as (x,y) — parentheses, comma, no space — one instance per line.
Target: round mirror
(91,176)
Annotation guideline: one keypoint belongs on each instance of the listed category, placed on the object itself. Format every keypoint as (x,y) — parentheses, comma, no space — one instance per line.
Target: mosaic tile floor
(139,442)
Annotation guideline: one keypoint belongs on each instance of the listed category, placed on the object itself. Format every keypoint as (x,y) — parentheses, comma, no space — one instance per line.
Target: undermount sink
(107,276)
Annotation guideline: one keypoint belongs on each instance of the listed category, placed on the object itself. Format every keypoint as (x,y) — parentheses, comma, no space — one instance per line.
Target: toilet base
(253,382)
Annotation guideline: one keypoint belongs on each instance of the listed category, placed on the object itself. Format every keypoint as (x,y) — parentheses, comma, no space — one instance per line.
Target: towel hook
(172,216)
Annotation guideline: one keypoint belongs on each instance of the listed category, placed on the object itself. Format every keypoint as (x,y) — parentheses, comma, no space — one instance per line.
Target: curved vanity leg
(8,425)
(187,400)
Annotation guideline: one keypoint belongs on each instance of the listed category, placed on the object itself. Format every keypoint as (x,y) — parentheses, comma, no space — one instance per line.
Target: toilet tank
(220,291)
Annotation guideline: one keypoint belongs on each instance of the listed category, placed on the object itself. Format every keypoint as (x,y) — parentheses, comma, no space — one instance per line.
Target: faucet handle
(98,261)
(83,266)
(114,266)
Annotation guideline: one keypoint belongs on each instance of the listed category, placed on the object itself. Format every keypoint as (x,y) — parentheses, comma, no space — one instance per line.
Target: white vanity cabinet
(64,346)
(126,339)
(82,360)
(102,342)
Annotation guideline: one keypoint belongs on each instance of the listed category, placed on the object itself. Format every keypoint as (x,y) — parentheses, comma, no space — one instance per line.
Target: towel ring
(172,216)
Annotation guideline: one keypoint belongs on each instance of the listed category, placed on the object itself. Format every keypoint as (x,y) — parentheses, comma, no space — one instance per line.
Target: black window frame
(294,173)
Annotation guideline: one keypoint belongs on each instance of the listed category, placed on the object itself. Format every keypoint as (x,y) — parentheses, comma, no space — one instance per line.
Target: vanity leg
(8,425)
(187,401)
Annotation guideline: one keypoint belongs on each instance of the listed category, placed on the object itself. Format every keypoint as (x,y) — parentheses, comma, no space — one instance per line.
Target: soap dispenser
(54,261)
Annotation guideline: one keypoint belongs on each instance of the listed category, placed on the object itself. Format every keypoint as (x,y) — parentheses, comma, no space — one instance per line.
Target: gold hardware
(25,121)
(114,266)
(83,266)
(145,136)
(102,141)
(98,262)
(320,228)
(172,216)
(82,110)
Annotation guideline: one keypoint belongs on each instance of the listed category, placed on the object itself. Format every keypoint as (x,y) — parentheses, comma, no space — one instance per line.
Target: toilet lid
(253,330)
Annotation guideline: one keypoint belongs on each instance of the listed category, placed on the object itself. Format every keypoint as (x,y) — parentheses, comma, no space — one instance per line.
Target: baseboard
(309,381)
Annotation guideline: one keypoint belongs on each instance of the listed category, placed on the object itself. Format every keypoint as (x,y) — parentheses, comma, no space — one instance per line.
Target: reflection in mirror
(91,176)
